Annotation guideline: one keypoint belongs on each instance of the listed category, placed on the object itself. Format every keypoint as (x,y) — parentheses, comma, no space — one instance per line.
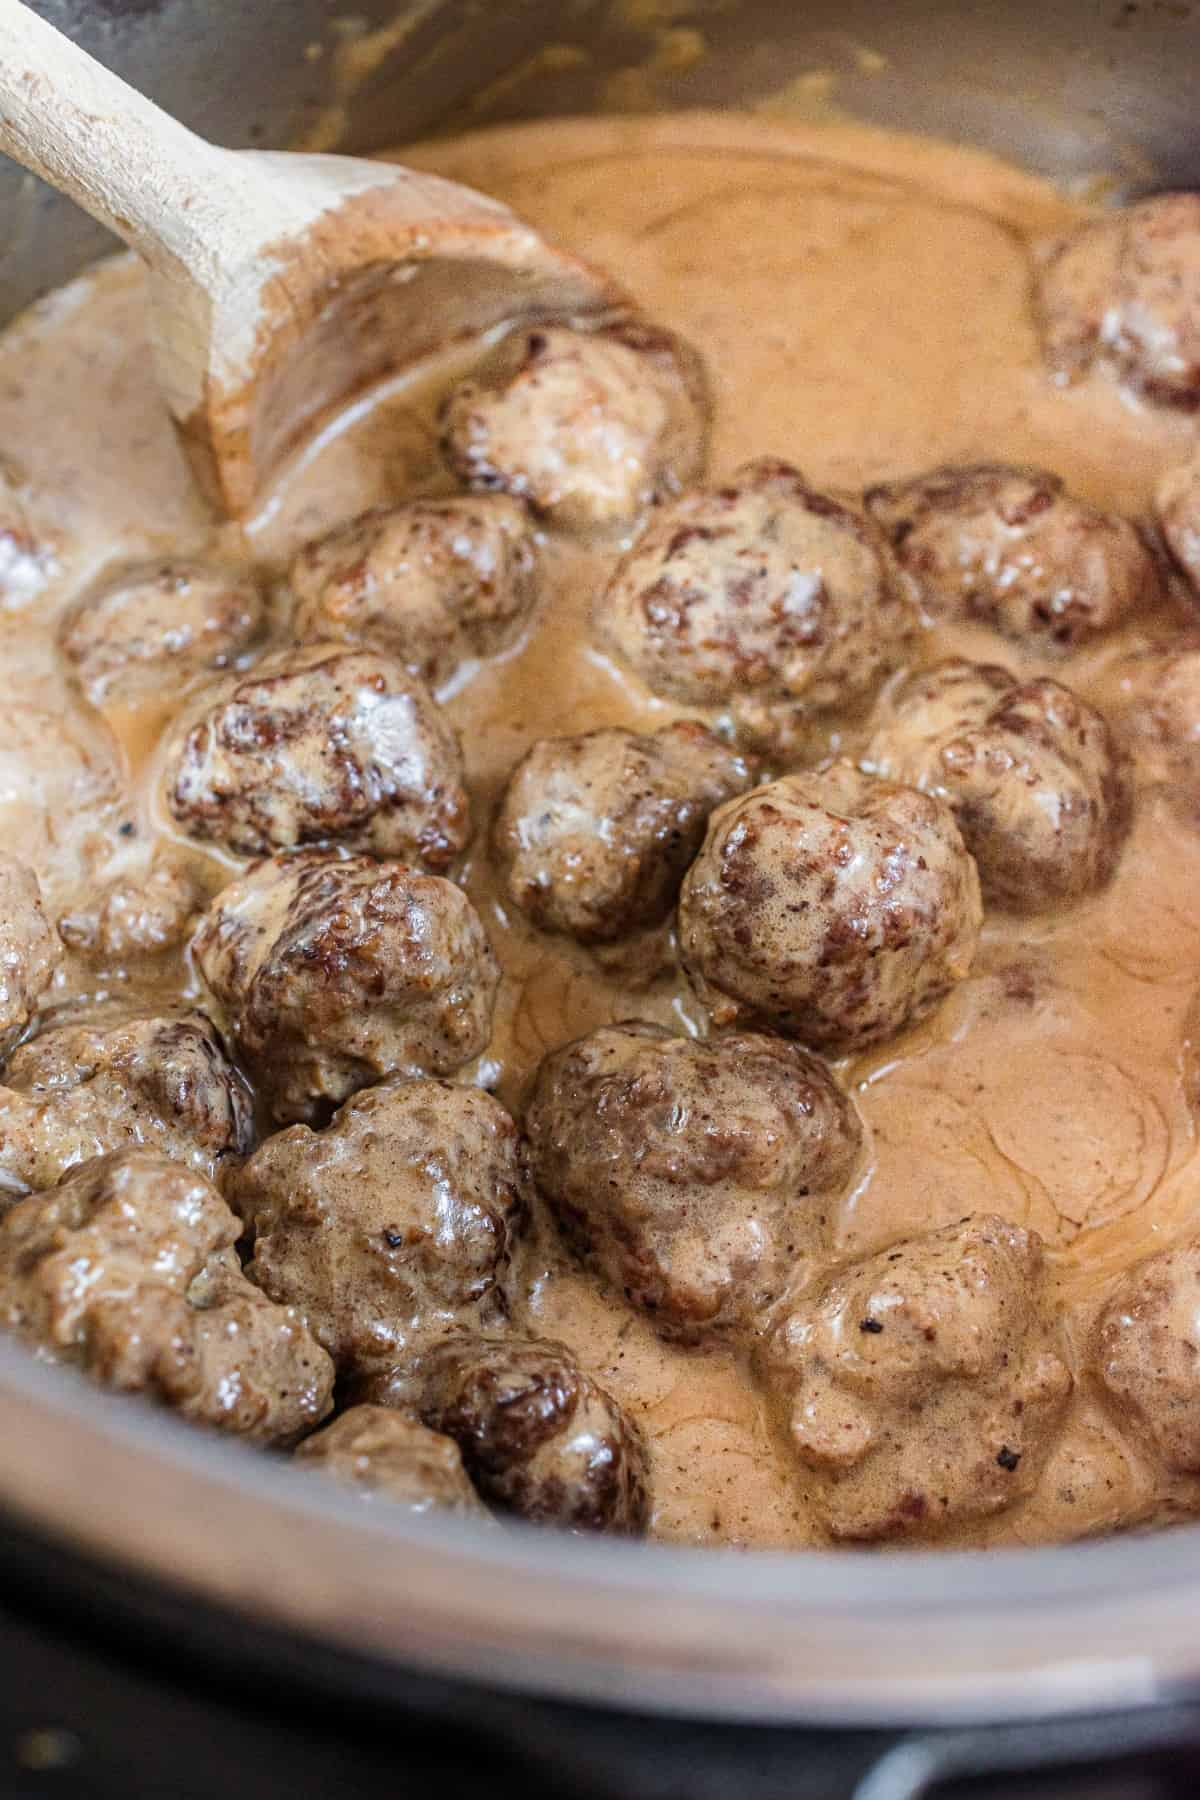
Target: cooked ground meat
(317,744)
(1177,503)
(127,1268)
(433,583)
(29,950)
(540,1438)
(378,1451)
(391,1226)
(1147,1354)
(147,623)
(337,971)
(922,1386)
(696,1177)
(1030,771)
(832,906)
(1124,290)
(135,916)
(594,832)
(763,597)
(1012,548)
(111,1082)
(590,427)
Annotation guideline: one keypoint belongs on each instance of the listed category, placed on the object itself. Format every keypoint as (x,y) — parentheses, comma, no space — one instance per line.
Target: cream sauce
(862,301)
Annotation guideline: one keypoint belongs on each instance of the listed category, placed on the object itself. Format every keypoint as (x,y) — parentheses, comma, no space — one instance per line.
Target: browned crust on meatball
(1010,547)
(594,832)
(321,744)
(395,1224)
(538,1436)
(588,427)
(1146,1354)
(337,971)
(29,951)
(433,583)
(696,1177)
(761,594)
(832,906)
(85,1087)
(126,1268)
(1029,769)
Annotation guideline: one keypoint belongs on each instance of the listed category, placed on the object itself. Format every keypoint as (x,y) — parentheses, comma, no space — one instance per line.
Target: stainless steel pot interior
(1075,87)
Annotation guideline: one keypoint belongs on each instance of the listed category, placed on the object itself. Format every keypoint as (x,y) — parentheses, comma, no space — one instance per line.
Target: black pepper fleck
(1008,1459)
(871,1325)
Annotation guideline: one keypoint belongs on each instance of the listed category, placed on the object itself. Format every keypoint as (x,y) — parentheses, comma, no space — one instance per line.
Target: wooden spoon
(279,284)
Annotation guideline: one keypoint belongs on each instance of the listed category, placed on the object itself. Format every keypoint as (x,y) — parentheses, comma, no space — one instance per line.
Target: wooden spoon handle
(134,168)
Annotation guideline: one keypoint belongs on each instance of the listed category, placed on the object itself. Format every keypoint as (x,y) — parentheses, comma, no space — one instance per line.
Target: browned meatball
(762,596)
(539,1437)
(1012,548)
(29,950)
(127,1269)
(155,621)
(1030,771)
(135,916)
(922,1386)
(1153,700)
(1147,1354)
(1124,290)
(433,583)
(590,427)
(393,1224)
(594,832)
(832,906)
(112,1082)
(337,971)
(1178,505)
(323,743)
(695,1176)
(377,1451)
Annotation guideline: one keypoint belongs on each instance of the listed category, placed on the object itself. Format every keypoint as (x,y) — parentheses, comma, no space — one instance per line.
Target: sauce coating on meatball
(696,1177)
(763,598)
(337,971)
(1012,548)
(1029,770)
(833,906)
(589,427)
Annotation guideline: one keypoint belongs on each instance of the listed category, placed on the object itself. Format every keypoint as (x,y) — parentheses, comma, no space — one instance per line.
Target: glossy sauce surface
(863,304)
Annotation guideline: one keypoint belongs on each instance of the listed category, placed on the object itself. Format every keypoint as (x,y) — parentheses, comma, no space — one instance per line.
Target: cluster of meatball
(365,1222)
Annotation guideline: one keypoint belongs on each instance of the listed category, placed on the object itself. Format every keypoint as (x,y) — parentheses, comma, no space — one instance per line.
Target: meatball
(539,1438)
(151,622)
(433,583)
(921,1386)
(109,1083)
(126,1268)
(378,1451)
(1124,290)
(1029,770)
(337,971)
(695,1176)
(589,427)
(1147,1354)
(1013,549)
(594,832)
(323,743)
(135,916)
(394,1224)
(1178,505)
(29,950)
(832,906)
(763,596)
(1153,699)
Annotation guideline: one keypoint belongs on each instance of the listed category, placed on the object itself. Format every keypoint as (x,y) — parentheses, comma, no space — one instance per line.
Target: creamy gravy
(862,301)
